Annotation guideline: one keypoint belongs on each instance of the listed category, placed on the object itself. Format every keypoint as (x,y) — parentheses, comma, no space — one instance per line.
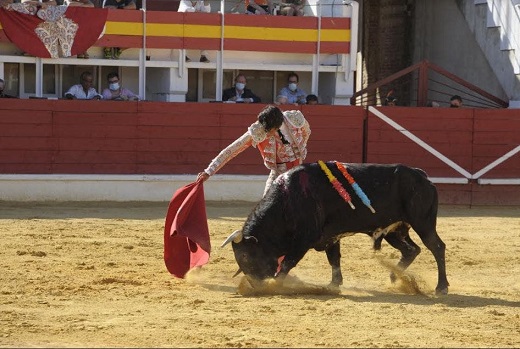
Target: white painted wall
(123,188)
(152,188)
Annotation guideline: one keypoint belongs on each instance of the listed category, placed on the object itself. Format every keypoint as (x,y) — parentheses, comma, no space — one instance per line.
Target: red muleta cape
(186,234)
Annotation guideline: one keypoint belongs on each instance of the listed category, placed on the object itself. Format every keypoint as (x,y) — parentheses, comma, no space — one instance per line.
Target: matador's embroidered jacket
(276,155)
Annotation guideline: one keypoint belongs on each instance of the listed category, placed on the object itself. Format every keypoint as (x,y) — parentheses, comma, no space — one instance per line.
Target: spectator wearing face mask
(115,92)
(2,94)
(239,93)
(291,94)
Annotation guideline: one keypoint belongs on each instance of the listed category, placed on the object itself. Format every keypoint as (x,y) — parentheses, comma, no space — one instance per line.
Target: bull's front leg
(289,261)
(334,256)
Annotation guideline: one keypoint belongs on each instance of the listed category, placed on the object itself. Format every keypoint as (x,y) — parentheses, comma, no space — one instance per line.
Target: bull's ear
(236,237)
(251,237)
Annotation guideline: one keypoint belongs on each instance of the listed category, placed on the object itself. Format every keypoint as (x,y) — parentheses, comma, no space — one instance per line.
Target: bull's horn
(236,237)
(238,272)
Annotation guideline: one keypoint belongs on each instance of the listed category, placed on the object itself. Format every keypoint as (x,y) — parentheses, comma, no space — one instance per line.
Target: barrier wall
(474,147)
(94,137)
(471,154)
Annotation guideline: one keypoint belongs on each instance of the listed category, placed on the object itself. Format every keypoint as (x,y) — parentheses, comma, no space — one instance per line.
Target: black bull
(302,210)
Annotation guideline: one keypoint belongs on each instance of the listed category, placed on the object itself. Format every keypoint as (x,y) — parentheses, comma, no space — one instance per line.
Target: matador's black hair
(271,117)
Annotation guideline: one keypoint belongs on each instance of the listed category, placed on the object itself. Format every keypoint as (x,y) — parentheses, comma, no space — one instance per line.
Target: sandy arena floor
(92,275)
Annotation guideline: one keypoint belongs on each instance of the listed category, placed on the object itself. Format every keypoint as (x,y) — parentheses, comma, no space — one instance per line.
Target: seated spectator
(390,101)
(115,52)
(120,4)
(456,101)
(291,94)
(312,99)
(292,8)
(259,7)
(240,93)
(2,94)
(116,92)
(196,6)
(40,3)
(80,3)
(43,3)
(84,89)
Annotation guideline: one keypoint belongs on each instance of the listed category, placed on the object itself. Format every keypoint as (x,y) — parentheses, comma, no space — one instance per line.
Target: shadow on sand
(374,296)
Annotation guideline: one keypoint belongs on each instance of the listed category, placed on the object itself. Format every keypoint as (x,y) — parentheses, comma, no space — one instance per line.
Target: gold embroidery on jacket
(257,132)
(274,152)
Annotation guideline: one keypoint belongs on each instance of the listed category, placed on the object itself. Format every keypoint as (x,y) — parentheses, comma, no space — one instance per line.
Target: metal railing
(426,84)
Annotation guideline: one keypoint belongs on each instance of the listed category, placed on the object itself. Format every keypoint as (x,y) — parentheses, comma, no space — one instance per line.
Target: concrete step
(505,16)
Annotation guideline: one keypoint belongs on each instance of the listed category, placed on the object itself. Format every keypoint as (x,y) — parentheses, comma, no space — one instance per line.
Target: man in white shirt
(84,89)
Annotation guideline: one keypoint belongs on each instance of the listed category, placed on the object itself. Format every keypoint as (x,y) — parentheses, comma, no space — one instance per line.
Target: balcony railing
(425,83)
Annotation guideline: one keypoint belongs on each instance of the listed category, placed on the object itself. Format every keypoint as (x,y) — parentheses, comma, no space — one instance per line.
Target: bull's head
(251,256)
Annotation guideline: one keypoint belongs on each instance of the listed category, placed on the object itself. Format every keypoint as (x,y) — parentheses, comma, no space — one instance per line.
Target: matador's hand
(202,176)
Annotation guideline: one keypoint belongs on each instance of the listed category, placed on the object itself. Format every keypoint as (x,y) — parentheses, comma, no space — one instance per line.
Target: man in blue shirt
(291,94)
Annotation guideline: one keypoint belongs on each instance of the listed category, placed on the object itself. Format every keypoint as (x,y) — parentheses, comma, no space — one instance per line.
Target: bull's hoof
(441,291)
(334,285)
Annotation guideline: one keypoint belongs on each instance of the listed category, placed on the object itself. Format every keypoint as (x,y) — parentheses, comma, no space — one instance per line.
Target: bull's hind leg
(334,256)
(433,242)
(400,239)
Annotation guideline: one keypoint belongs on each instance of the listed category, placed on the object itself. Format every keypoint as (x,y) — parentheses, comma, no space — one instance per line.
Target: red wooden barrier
(495,134)
(446,130)
(462,143)
(103,137)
